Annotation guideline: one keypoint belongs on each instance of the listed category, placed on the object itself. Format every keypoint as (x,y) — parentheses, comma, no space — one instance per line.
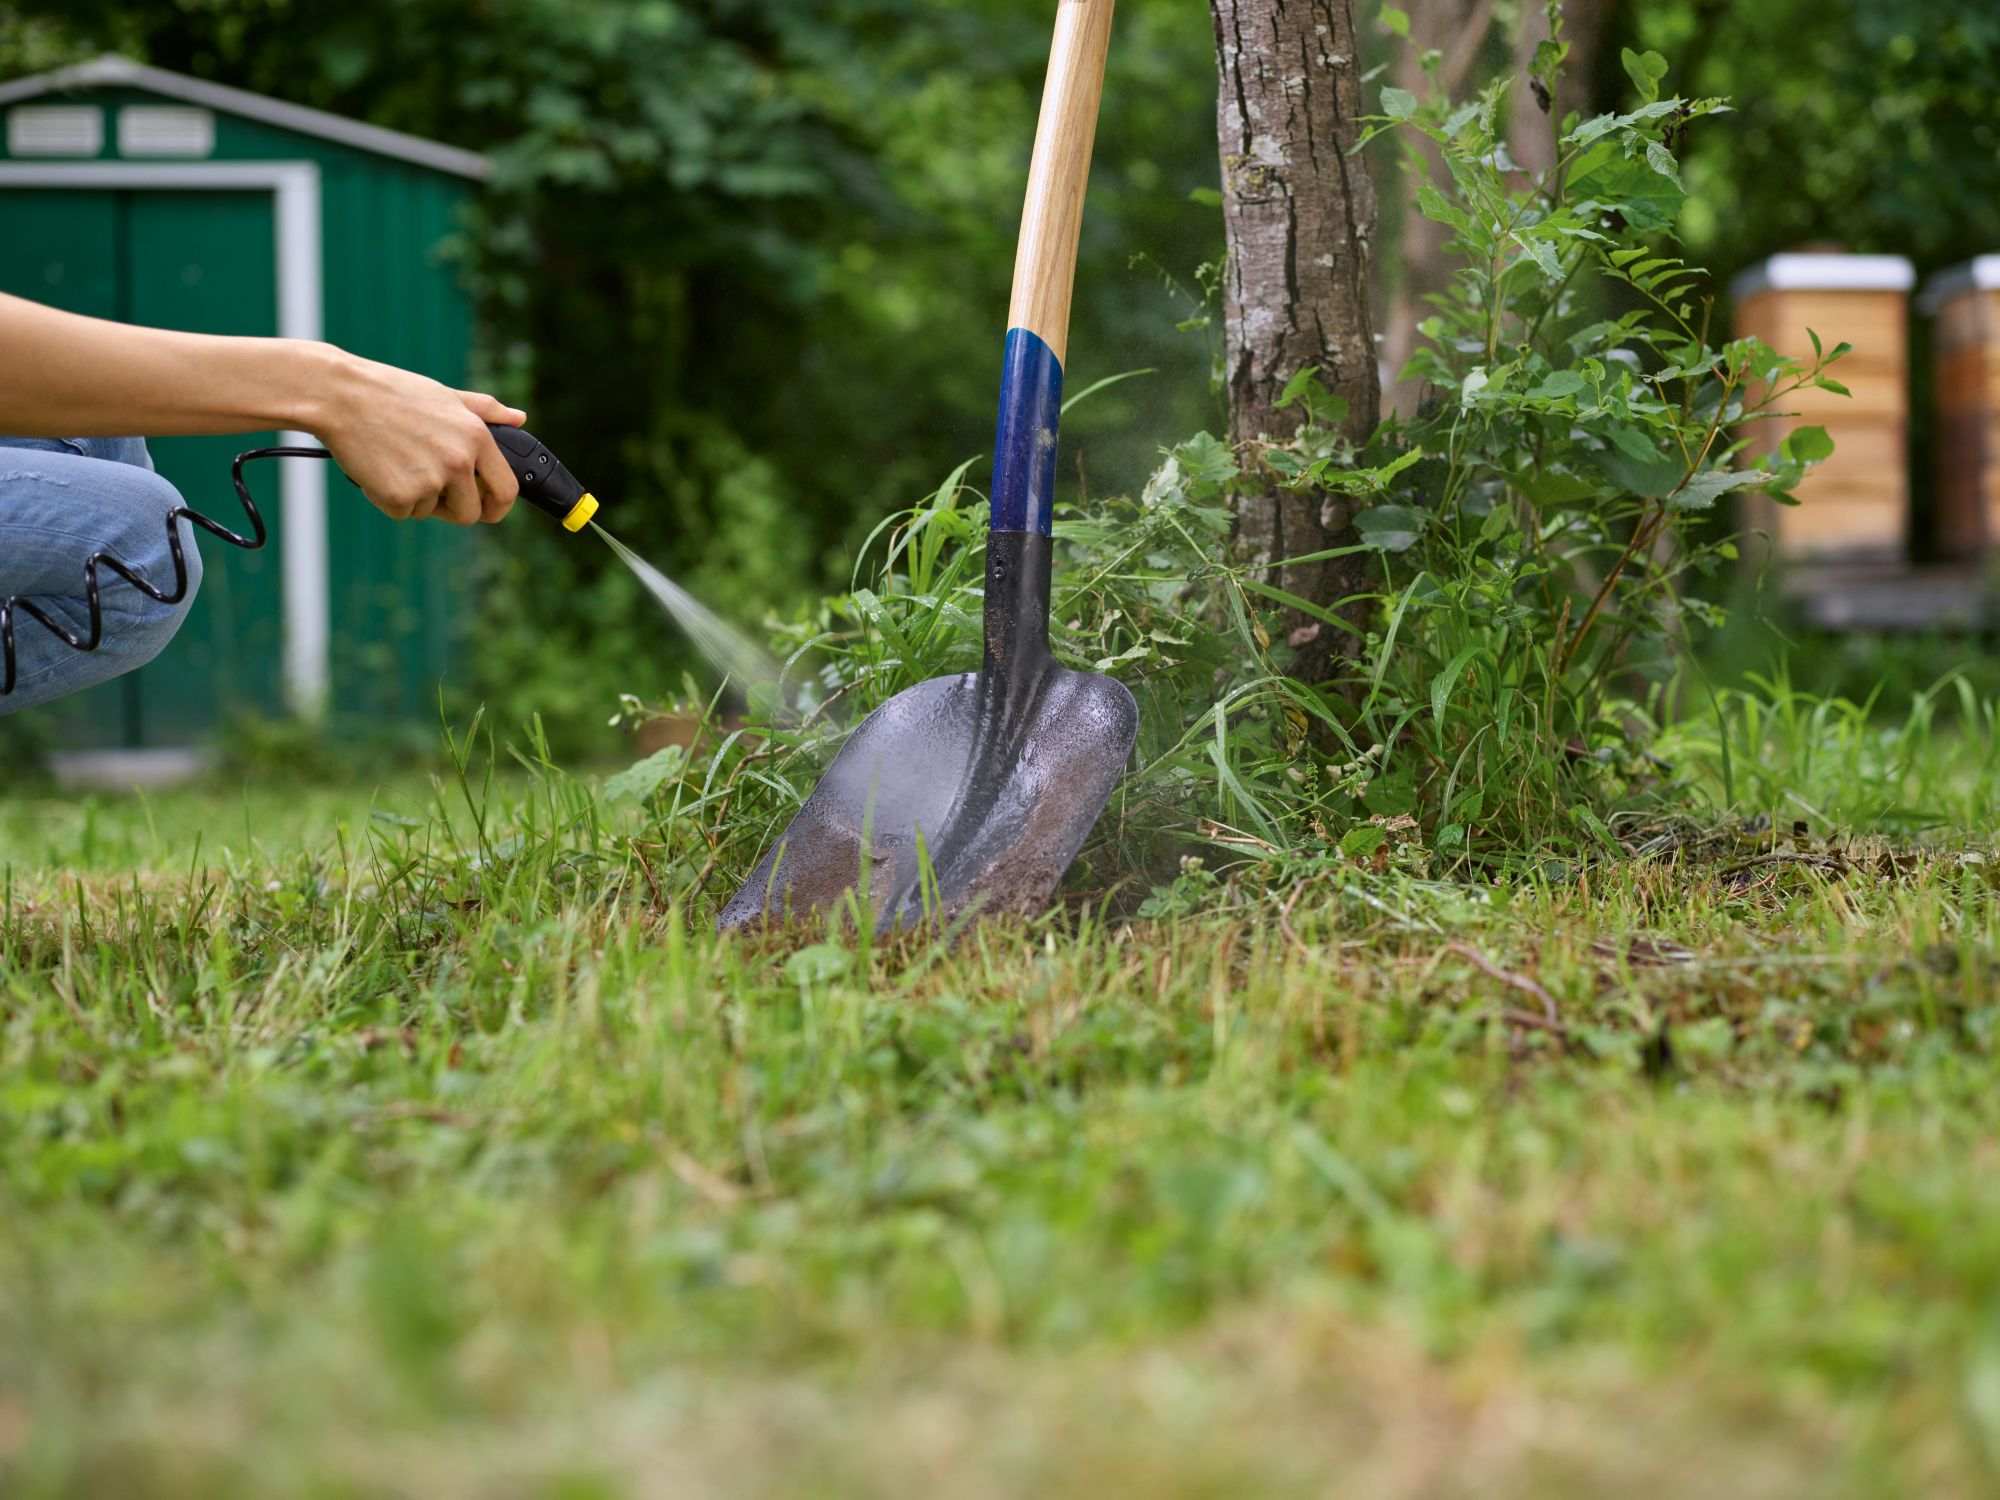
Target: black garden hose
(90,642)
(545,484)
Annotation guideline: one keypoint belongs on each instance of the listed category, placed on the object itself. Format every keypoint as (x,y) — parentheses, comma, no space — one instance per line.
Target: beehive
(1966,304)
(1856,505)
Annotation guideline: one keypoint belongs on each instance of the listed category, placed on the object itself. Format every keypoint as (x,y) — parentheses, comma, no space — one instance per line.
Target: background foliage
(746,260)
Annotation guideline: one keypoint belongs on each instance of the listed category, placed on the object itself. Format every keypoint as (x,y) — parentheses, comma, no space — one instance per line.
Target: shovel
(973,793)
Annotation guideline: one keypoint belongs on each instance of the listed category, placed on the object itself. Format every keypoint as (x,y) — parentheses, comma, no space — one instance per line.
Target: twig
(647,871)
(1532,1022)
(1549,1020)
(1833,862)
(1285,922)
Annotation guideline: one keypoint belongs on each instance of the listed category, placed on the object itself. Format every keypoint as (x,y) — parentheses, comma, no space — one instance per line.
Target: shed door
(202,261)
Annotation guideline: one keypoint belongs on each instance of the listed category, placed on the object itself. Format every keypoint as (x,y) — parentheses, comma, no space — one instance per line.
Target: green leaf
(1398,104)
(1700,492)
(1590,130)
(1360,480)
(1396,21)
(1808,445)
(1446,680)
(1207,197)
(1645,69)
(1634,444)
(1547,487)
(1400,462)
(1434,206)
(1323,408)
(1206,461)
(1607,176)
(1391,528)
(1557,384)
(1297,386)
(1359,843)
(1543,254)
(1828,383)
(1634,463)
(1661,160)
(1459,118)
(818,964)
(637,782)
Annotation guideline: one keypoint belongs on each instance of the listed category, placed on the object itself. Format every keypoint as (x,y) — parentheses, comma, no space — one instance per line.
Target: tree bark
(1532,139)
(1457,30)
(1299,211)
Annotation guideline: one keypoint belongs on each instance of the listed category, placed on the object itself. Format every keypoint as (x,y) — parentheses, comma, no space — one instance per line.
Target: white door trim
(295,213)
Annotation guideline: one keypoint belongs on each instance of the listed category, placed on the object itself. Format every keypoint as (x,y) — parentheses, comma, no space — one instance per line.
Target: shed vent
(55,130)
(165,130)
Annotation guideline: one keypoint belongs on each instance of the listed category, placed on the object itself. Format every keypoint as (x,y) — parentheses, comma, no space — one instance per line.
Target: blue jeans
(61,500)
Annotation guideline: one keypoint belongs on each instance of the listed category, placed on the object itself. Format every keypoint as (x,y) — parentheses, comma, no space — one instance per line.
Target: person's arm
(415,447)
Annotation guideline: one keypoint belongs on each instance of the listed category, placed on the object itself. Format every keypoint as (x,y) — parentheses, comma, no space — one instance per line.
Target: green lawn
(349,1154)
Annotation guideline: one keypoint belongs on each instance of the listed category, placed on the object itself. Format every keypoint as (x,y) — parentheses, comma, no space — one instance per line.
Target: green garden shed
(132,193)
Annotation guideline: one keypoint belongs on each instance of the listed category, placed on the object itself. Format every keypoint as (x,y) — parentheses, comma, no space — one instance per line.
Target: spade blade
(964,793)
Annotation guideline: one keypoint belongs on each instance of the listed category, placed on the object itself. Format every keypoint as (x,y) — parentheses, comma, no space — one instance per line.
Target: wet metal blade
(958,795)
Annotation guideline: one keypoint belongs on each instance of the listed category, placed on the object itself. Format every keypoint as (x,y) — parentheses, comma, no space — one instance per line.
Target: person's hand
(417,448)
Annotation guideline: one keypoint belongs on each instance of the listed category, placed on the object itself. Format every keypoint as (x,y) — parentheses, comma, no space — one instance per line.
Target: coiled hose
(545,482)
(95,638)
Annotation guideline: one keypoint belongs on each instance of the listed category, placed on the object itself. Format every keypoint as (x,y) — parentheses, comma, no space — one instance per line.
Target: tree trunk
(1532,139)
(1299,211)
(1457,30)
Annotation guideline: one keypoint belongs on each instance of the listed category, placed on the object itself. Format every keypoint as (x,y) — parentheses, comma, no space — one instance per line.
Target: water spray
(552,489)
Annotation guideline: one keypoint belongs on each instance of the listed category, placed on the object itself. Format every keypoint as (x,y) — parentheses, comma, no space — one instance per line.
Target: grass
(403,1143)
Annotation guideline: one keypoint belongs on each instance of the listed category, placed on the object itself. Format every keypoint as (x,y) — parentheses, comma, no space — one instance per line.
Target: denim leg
(117,450)
(58,506)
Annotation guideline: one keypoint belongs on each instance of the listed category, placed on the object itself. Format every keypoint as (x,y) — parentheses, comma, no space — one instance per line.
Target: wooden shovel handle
(1031,372)
(1045,260)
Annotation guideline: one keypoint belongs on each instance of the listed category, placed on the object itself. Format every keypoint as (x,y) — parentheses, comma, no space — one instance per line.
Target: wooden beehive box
(1856,505)
(1966,304)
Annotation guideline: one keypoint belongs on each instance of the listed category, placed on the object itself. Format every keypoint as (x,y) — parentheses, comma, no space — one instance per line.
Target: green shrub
(1525,670)
(1582,424)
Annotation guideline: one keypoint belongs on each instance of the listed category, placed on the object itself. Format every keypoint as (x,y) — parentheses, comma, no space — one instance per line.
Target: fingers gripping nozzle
(545,483)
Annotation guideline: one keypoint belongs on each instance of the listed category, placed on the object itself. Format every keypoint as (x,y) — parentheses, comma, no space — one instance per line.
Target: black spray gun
(545,484)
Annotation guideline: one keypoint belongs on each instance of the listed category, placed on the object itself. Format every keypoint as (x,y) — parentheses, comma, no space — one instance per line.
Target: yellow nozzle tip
(580,513)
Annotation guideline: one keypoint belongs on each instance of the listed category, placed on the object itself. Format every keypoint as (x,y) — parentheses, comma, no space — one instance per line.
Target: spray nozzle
(545,483)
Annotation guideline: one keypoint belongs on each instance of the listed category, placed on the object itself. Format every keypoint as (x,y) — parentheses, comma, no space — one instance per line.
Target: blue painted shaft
(1024,438)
